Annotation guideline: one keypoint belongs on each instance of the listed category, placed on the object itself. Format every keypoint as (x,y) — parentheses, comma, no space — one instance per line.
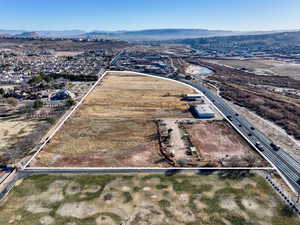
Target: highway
(288,167)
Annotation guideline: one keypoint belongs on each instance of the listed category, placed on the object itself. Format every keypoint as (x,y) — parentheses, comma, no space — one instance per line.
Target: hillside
(28,35)
(282,43)
(159,34)
(192,35)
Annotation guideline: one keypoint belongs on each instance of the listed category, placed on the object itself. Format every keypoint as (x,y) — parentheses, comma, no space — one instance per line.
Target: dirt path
(178,146)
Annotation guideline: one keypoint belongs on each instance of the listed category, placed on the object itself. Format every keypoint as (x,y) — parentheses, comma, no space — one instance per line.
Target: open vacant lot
(264,66)
(219,144)
(18,134)
(108,143)
(115,125)
(127,95)
(216,199)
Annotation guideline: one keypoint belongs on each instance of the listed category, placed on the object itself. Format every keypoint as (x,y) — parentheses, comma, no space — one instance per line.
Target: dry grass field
(124,95)
(103,143)
(215,199)
(66,53)
(18,135)
(115,126)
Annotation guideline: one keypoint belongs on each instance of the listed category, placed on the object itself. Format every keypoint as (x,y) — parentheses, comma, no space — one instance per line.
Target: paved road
(116,58)
(288,167)
(285,164)
(30,171)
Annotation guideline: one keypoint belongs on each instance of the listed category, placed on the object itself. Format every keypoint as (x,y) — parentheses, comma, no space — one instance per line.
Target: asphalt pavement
(286,165)
(280,159)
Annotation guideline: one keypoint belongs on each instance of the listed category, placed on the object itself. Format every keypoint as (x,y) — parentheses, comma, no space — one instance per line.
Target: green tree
(2,91)
(39,78)
(70,102)
(38,104)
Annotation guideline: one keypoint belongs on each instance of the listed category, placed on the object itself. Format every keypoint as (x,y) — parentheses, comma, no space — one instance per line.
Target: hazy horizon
(116,15)
(164,28)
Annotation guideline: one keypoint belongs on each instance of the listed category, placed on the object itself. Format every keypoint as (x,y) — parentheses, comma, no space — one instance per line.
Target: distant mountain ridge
(159,34)
(28,35)
(133,35)
(284,42)
(43,32)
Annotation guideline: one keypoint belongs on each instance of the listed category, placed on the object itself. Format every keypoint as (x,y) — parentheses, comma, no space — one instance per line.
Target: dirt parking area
(219,144)
(226,198)
(115,126)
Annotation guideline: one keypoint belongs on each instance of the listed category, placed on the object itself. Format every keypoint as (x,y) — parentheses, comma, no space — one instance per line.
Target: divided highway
(288,167)
(284,163)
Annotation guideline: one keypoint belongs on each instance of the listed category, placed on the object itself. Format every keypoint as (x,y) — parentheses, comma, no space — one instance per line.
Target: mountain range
(282,43)
(132,35)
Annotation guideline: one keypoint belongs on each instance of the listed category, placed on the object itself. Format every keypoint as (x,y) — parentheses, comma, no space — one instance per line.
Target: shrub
(164,203)
(38,104)
(70,102)
(50,120)
(2,92)
(127,197)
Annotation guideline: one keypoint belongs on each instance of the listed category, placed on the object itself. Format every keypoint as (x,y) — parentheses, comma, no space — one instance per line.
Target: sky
(91,15)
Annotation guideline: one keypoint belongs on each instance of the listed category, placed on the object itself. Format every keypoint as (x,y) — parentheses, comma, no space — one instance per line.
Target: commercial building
(203,111)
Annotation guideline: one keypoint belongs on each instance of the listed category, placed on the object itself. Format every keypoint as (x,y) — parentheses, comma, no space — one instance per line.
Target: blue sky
(145,14)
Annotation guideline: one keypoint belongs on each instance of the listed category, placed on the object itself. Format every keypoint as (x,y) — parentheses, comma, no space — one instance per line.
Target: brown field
(67,53)
(103,143)
(219,144)
(135,96)
(115,126)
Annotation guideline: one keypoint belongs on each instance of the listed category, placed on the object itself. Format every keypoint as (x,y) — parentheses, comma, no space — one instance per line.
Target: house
(61,95)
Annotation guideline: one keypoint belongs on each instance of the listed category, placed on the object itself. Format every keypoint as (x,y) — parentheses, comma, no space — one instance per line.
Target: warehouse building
(203,111)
